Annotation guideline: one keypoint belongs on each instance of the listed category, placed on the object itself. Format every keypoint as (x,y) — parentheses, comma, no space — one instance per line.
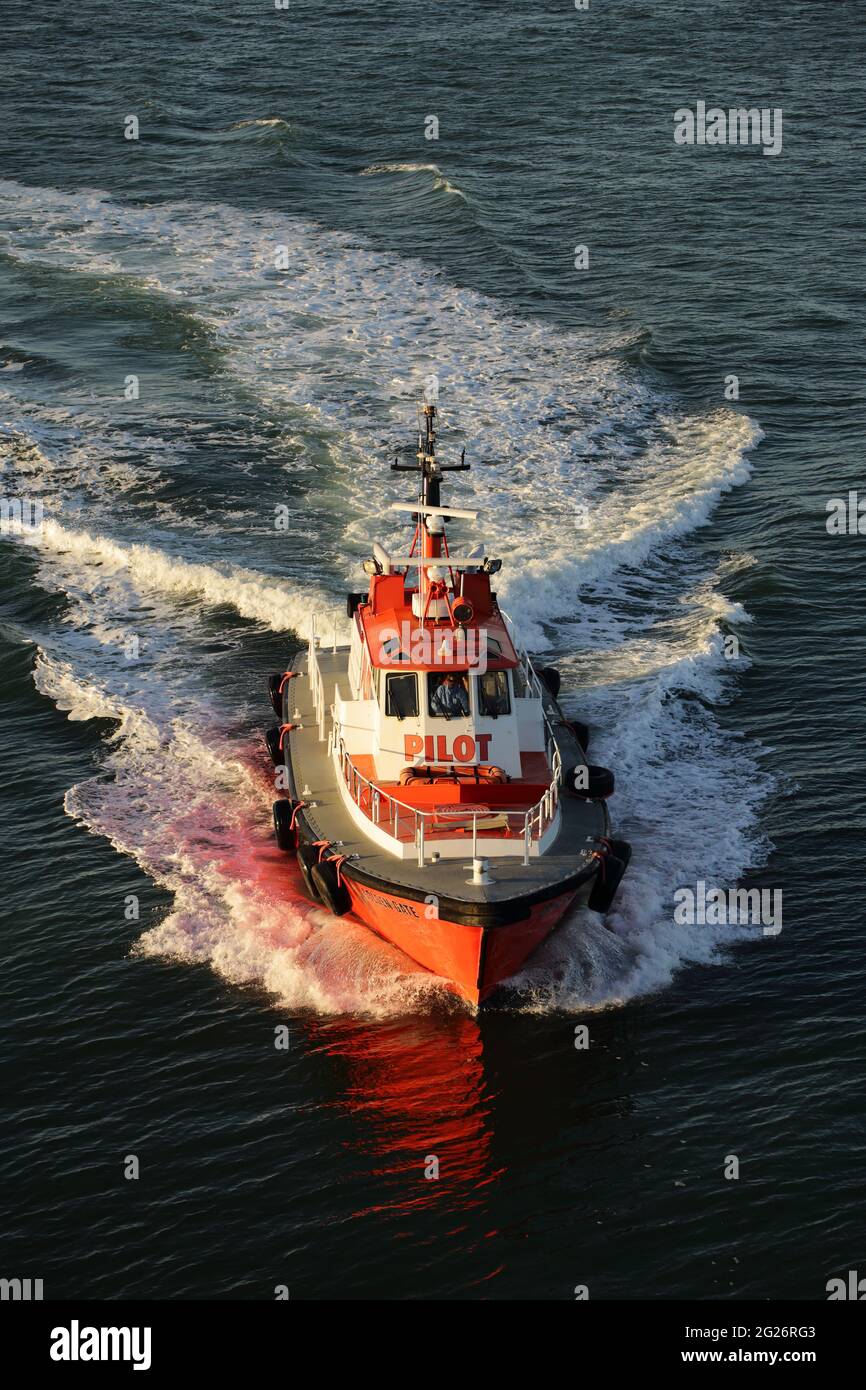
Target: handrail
(535,684)
(317,689)
(535,821)
(533,680)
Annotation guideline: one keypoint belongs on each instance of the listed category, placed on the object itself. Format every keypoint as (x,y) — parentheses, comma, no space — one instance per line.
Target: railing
(536,686)
(529,673)
(407,825)
(317,689)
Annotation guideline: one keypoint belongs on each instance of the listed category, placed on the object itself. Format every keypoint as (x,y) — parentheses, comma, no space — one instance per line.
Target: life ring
(414,774)
(494,774)
(455,774)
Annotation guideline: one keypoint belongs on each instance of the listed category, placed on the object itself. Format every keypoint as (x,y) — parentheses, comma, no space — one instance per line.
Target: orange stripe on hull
(473,959)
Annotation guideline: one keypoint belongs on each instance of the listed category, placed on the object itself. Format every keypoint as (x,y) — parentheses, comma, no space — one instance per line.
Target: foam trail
(671,497)
(602,479)
(688,799)
(193,813)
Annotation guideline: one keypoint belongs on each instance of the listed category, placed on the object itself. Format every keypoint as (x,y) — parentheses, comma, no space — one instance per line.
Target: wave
(402,169)
(439,182)
(689,789)
(20,452)
(153,571)
(193,813)
(271,122)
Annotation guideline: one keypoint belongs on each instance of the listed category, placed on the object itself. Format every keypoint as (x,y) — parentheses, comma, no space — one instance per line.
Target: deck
(311,768)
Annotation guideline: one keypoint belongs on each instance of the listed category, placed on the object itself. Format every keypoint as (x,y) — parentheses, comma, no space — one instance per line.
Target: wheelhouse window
(401,696)
(392,650)
(493,697)
(448,695)
(521,689)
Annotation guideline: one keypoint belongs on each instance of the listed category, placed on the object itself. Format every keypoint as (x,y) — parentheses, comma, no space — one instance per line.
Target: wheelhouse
(441,731)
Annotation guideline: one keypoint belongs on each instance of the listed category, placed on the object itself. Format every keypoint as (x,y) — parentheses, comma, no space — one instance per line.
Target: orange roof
(397,641)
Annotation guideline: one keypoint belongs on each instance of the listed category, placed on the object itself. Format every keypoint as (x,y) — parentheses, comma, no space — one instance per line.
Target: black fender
(332,891)
(622,850)
(276,699)
(580,731)
(589,782)
(272,739)
(610,875)
(552,679)
(308,858)
(285,831)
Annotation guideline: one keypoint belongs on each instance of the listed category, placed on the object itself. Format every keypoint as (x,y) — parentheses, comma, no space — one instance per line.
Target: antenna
(428,464)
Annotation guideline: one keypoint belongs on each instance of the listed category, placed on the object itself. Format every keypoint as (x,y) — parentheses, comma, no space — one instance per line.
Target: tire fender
(589,782)
(610,875)
(552,679)
(308,858)
(272,739)
(285,831)
(332,891)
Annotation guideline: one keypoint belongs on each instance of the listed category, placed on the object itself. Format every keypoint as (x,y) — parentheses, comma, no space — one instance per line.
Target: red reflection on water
(413,1081)
(417,1085)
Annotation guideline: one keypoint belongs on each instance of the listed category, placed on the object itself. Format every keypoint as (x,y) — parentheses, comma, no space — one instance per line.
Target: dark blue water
(154,938)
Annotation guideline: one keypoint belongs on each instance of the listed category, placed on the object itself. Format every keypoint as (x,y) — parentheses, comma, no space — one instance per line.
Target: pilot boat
(430,784)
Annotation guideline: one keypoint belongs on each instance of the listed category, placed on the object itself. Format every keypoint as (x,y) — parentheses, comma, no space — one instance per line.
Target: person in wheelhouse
(450,697)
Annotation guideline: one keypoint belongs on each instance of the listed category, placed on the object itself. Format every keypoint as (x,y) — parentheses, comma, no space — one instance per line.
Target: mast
(431,530)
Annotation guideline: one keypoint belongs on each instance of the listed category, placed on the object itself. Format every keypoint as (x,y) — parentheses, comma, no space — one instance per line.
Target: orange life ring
(493,774)
(429,774)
